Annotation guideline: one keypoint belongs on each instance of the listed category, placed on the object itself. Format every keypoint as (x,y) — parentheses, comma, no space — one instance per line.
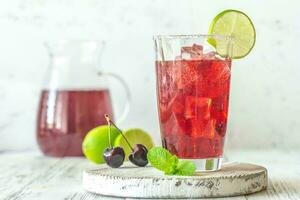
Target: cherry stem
(109,132)
(110,122)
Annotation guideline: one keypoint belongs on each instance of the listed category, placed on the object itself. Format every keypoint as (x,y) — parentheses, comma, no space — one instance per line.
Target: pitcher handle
(127,94)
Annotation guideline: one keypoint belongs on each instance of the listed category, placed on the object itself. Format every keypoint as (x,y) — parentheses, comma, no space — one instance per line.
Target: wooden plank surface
(29,175)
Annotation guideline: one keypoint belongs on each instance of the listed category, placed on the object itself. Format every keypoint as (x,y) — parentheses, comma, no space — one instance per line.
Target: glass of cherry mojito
(193,84)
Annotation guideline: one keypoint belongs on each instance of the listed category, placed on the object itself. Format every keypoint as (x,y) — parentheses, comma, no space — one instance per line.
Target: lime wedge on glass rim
(134,136)
(236,24)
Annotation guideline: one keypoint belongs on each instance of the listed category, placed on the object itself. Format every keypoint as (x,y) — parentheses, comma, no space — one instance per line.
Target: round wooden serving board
(146,182)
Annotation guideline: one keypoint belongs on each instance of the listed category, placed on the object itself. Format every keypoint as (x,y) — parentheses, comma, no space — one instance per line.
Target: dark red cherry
(114,156)
(139,155)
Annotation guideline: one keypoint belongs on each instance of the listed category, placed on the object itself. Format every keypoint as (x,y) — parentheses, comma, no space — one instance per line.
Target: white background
(265,93)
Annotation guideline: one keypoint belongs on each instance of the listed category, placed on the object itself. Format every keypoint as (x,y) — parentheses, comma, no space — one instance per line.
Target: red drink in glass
(193,84)
(65,117)
(193,106)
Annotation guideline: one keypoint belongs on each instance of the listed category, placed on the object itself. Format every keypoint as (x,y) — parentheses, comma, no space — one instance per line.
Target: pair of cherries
(115,156)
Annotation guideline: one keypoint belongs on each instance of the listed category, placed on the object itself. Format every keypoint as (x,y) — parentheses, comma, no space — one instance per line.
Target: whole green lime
(134,136)
(96,141)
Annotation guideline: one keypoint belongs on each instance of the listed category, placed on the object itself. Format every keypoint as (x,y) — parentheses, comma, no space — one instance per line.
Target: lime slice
(134,136)
(236,24)
(96,141)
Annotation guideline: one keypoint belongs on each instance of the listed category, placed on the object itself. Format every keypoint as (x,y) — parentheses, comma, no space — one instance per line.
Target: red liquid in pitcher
(65,117)
(193,105)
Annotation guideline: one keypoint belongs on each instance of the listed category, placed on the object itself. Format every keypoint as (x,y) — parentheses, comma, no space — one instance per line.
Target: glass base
(207,164)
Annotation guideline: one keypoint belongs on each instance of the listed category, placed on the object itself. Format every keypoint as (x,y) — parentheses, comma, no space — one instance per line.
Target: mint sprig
(186,168)
(163,160)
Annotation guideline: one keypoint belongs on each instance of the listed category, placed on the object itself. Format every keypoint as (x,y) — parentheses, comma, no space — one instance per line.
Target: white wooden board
(128,181)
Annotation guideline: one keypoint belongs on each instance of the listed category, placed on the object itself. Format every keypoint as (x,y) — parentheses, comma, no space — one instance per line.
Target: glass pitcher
(74,98)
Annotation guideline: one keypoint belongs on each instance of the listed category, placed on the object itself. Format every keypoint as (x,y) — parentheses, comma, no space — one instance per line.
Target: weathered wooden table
(29,175)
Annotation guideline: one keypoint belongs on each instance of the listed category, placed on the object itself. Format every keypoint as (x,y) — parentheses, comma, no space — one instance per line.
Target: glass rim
(193,36)
(54,45)
(71,40)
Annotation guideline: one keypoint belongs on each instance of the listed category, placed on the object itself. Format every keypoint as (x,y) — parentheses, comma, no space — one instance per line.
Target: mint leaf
(162,159)
(209,165)
(185,168)
(172,166)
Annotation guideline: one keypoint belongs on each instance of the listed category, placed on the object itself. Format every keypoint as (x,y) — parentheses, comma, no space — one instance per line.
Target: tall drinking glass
(193,83)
